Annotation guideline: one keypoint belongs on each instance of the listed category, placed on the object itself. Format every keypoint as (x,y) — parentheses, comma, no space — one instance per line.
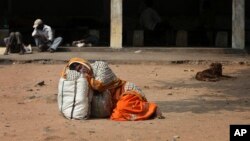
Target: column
(116,24)
(238,24)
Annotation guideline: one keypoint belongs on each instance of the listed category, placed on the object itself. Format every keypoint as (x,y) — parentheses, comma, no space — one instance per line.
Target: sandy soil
(194,111)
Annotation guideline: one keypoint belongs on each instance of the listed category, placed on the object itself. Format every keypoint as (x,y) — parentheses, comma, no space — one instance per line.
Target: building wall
(79,14)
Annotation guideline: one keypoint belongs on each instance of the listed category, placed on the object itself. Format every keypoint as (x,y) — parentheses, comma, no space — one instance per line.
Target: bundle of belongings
(212,74)
(93,90)
(88,41)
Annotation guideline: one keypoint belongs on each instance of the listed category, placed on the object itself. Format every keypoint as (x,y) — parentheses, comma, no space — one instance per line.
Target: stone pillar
(238,24)
(116,24)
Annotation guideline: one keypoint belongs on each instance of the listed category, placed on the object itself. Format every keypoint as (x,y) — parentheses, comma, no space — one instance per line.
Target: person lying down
(82,97)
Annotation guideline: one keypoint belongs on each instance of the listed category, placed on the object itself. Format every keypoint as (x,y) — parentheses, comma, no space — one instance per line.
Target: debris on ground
(41,83)
(175,138)
(170,87)
(170,94)
(188,70)
(138,51)
(32,97)
(30,90)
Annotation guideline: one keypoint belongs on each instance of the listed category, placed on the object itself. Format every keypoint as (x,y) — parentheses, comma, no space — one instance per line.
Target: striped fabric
(103,73)
(72,75)
(132,87)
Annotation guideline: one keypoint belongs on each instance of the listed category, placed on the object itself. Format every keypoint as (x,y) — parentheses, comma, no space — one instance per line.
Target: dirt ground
(194,110)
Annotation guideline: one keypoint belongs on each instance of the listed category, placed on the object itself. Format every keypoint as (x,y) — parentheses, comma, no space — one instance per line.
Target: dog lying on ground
(213,74)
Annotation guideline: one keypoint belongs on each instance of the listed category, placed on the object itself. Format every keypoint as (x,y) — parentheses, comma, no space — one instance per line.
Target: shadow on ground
(204,106)
(229,95)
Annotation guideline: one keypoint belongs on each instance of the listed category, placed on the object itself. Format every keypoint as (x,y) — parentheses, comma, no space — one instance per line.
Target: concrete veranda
(134,55)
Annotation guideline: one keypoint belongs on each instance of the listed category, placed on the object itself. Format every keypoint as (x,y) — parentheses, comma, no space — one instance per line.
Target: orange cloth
(97,85)
(132,106)
(116,92)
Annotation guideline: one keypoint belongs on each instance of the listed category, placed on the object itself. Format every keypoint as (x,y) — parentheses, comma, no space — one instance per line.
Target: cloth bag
(74,95)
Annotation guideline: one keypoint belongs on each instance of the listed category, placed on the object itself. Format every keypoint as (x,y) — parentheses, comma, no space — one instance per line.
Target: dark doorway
(196,23)
(70,19)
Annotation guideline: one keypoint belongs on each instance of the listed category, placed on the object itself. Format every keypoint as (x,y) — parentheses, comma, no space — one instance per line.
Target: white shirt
(45,33)
(149,18)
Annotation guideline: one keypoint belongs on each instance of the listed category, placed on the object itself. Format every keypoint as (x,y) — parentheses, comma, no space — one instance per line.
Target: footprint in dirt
(51,138)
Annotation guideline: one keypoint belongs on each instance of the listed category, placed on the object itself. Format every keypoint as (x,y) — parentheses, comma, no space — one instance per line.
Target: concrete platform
(135,55)
(152,49)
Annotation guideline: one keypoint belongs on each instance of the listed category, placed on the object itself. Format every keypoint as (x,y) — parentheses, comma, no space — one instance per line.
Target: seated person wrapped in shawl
(129,102)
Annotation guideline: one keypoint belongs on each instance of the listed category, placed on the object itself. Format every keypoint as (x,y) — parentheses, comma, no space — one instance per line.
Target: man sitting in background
(44,38)
(14,43)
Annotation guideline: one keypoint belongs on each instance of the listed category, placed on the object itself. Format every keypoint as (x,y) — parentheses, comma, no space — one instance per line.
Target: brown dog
(213,74)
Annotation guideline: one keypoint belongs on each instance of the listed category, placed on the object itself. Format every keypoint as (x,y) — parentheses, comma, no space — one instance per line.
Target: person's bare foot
(159,114)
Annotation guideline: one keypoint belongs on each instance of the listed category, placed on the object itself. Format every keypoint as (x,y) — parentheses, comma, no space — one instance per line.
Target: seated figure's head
(38,24)
(78,67)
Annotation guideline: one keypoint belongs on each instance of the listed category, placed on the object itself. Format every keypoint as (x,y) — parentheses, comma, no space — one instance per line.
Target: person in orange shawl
(128,105)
